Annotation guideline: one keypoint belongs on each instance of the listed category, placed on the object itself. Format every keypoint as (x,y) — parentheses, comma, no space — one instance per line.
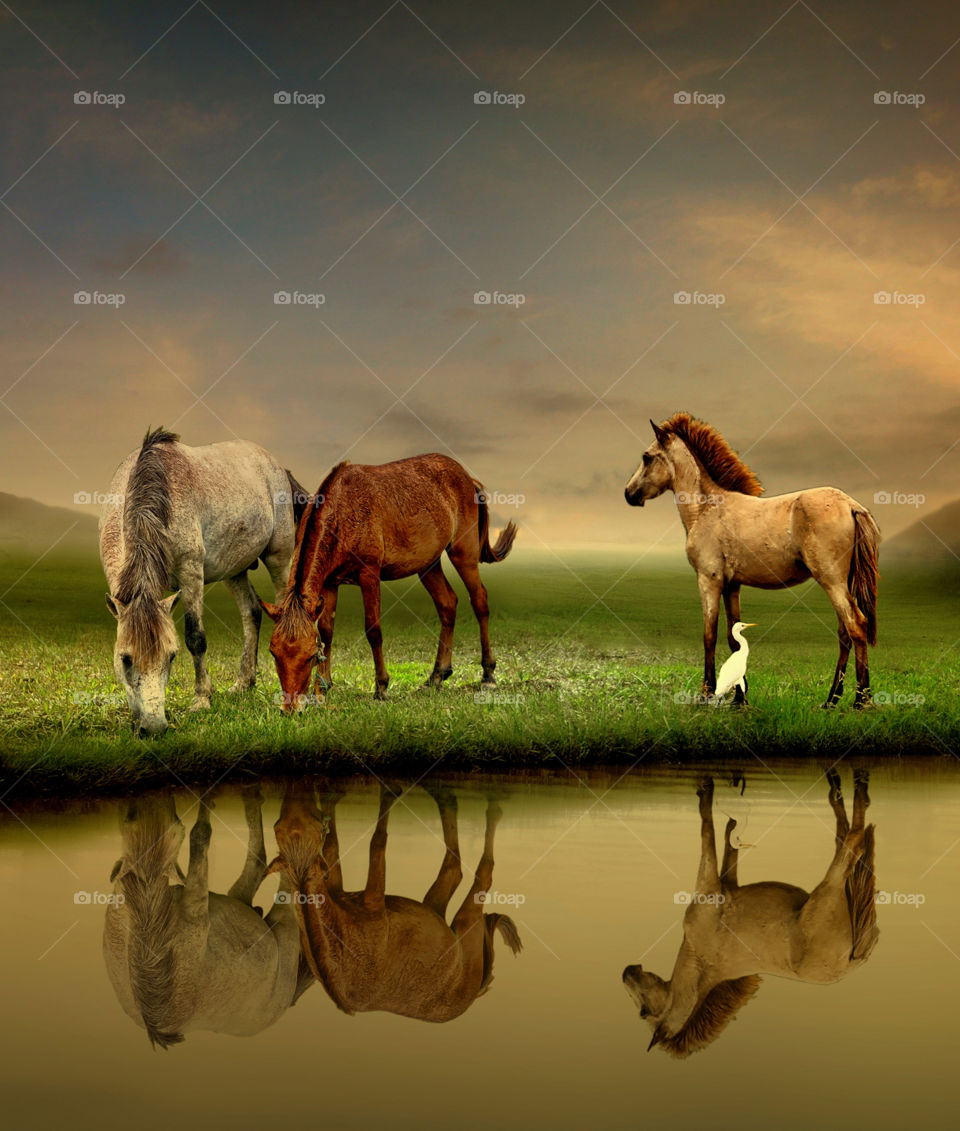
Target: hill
(29,527)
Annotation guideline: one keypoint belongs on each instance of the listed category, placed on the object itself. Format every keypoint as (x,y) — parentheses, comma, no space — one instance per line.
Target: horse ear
(116,607)
(272,611)
(658,1034)
(115,871)
(660,434)
(170,603)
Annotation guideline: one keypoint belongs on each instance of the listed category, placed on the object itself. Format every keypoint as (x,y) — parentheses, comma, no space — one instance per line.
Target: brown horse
(373,951)
(735,538)
(371,524)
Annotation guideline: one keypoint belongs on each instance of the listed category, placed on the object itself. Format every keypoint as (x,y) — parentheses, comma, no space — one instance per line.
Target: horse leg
(731,857)
(445,600)
(861,799)
(191,593)
(836,688)
(245,888)
(470,913)
(196,885)
(708,876)
(241,590)
(710,590)
(277,562)
(328,610)
(731,607)
(450,874)
(835,798)
(853,623)
(331,842)
(374,893)
(370,590)
(469,572)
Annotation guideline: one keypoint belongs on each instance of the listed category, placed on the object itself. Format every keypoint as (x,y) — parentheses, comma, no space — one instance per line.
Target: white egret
(734,671)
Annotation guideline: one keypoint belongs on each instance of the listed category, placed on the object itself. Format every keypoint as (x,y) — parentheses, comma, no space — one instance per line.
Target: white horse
(182,957)
(731,933)
(180,518)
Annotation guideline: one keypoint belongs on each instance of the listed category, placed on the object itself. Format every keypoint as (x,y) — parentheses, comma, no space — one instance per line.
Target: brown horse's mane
(145,573)
(721,462)
(711,1016)
(294,620)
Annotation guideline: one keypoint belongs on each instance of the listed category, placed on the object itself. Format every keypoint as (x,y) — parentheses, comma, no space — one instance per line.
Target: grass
(595,657)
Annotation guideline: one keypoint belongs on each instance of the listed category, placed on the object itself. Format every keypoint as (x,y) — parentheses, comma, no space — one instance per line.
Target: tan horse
(371,524)
(373,951)
(735,538)
(731,933)
(182,957)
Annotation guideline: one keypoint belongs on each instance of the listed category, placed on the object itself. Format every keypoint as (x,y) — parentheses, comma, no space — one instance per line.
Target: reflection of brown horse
(732,933)
(374,951)
(182,957)
(371,524)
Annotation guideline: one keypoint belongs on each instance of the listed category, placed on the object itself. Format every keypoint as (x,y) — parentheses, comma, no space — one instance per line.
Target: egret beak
(750,624)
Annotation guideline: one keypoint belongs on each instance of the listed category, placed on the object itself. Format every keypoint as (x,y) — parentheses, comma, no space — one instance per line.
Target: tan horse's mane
(721,462)
(145,573)
(711,1016)
(294,620)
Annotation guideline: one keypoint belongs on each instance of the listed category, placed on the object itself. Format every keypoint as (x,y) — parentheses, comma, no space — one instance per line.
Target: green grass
(592,657)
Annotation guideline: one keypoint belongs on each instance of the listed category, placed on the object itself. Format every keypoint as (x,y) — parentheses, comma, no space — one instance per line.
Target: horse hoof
(201,703)
(241,685)
(380,695)
(488,684)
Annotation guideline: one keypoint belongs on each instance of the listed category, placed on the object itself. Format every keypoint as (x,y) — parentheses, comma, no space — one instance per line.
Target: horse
(368,524)
(373,951)
(736,538)
(181,517)
(731,934)
(181,957)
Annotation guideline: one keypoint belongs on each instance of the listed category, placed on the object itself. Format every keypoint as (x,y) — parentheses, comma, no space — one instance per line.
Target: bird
(734,671)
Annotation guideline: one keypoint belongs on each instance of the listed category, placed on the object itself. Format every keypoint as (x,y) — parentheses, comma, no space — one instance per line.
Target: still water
(401,1021)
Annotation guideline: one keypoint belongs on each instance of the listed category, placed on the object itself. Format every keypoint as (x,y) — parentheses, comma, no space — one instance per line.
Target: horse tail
(504,543)
(864,568)
(861,902)
(299,496)
(510,935)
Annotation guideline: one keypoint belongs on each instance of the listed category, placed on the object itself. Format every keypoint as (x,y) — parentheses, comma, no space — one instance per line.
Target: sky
(585,164)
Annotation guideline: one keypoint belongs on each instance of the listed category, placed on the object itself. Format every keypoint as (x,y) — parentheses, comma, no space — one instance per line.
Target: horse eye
(127,660)
(647,457)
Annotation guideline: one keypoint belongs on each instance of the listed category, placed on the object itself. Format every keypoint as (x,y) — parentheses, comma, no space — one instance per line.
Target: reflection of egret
(740,817)
(734,671)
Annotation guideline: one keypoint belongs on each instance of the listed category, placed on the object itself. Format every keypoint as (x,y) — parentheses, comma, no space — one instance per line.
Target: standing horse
(371,524)
(373,951)
(180,518)
(180,956)
(731,934)
(735,538)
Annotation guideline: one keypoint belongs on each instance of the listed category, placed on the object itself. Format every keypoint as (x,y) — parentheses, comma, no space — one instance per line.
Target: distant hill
(27,526)
(933,540)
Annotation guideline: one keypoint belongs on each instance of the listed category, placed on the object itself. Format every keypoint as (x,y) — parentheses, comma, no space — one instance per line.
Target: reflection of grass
(592,660)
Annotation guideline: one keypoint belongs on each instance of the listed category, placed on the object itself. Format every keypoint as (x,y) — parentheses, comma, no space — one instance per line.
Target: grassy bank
(597,656)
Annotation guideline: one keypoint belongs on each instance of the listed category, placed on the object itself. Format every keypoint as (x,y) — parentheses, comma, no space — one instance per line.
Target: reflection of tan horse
(732,933)
(374,951)
(183,957)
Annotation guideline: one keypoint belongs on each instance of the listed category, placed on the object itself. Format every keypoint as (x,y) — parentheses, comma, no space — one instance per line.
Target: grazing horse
(731,933)
(735,538)
(179,518)
(371,524)
(182,957)
(373,951)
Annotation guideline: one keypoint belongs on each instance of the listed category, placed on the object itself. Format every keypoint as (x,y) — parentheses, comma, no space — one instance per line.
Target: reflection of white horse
(182,957)
(732,933)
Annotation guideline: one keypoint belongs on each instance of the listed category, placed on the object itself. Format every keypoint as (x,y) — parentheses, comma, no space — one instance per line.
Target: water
(593,873)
